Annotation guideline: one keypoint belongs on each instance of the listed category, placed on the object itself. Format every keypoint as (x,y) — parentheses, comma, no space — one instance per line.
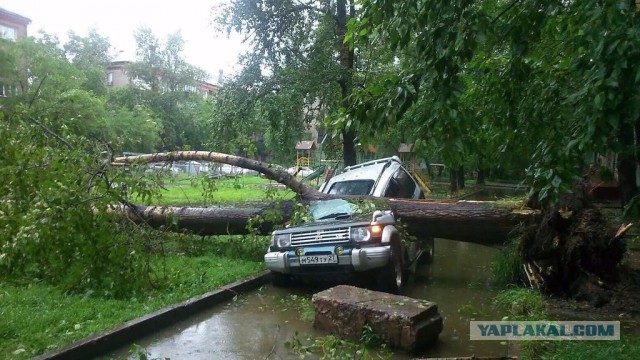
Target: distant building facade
(207,89)
(118,77)
(117,74)
(13,26)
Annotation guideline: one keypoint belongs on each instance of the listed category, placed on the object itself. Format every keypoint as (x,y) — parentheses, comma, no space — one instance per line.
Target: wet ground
(622,304)
(257,325)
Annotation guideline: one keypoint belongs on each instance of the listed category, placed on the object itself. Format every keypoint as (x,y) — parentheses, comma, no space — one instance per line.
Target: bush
(54,219)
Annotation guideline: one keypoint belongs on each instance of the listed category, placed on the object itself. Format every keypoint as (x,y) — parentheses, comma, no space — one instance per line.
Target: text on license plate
(318,259)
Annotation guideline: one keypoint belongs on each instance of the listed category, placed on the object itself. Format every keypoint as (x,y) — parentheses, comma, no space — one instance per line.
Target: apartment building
(118,77)
(12,26)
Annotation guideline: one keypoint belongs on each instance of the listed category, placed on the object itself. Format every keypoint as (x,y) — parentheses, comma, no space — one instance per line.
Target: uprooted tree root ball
(574,252)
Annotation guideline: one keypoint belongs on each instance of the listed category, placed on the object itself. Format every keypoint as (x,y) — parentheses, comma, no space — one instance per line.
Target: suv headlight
(360,234)
(281,240)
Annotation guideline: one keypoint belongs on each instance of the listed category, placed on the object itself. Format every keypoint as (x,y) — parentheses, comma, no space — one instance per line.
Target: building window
(110,79)
(8,33)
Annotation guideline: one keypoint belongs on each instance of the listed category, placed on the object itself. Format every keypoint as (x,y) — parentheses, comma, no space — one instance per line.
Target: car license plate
(318,259)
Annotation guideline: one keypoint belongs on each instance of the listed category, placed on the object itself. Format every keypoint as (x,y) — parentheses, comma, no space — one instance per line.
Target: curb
(124,334)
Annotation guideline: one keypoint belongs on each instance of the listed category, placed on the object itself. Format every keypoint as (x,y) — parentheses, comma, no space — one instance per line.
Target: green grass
(627,348)
(204,191)
(506,269)
(516,201)
(633,242)
(37,317)
(522,304)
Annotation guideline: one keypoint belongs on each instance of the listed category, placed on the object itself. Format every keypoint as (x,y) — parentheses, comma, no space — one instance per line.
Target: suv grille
(320,237)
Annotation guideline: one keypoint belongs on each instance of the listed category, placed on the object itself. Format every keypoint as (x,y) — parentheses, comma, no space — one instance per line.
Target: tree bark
(347,57)
(626,164)
(453,182)
(460,178)
(482,175)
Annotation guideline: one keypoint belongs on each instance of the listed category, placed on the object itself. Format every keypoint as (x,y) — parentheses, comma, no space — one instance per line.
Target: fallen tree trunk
(469,221)
(481,222)
(270,171)
(202,221)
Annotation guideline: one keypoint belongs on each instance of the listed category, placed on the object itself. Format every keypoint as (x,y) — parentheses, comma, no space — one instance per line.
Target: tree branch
(50,132)
(272,172)
(512,4)
(35,94)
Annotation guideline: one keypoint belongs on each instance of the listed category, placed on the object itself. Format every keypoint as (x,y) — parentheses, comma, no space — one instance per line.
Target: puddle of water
(256,325)
(253,326)
(458,281)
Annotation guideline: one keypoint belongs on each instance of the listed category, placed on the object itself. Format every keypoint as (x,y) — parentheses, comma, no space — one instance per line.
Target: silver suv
(340,242)
(380,178)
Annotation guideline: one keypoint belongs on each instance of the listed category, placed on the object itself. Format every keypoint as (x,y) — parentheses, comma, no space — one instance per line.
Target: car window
(407,184)
(401,185)
(393,189)
(352,187)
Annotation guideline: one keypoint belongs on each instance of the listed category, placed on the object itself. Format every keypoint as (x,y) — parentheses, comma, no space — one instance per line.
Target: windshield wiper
(342,215)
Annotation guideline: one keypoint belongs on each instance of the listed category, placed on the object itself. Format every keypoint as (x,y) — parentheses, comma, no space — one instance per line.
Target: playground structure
(305,152)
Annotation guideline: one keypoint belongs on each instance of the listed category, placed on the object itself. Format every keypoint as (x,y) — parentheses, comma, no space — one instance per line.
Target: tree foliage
(508,80)
(90,54)
(298,71)
(54,223)
(59,131)
(165,84)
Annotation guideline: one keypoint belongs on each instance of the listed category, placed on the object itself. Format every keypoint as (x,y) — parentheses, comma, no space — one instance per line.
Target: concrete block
(400,321)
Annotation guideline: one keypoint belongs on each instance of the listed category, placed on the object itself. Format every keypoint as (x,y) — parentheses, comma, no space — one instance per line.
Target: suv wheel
(280,279)
(393,277)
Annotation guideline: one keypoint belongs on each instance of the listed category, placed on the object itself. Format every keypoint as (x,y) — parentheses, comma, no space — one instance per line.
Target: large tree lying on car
(561,246)
(471,221)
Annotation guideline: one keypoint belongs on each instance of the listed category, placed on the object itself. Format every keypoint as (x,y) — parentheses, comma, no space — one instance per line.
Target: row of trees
(521,88)
(317,60)
(531,88)
(66,84)
(553,79)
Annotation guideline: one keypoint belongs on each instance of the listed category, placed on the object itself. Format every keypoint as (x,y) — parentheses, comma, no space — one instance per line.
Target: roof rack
(373,162)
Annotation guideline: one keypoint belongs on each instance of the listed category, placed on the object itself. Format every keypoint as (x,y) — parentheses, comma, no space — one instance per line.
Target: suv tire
(393,277)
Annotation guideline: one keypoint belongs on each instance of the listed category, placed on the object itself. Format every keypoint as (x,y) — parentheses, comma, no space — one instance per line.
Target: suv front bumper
(362,259)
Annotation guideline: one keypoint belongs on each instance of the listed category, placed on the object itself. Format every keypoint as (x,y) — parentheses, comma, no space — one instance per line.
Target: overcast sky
(118,19)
